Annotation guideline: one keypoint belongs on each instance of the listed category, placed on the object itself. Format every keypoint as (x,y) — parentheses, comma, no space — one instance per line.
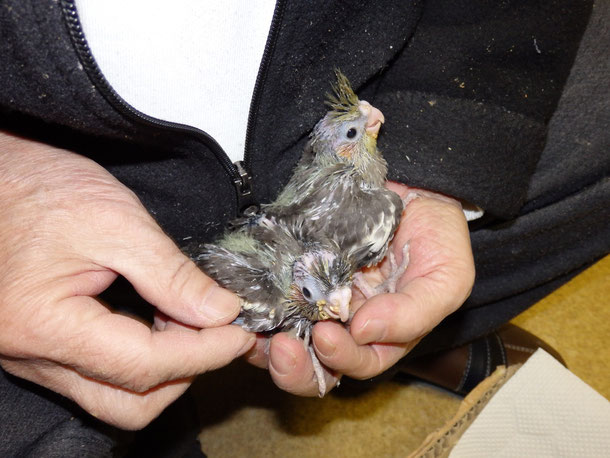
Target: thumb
(170,281)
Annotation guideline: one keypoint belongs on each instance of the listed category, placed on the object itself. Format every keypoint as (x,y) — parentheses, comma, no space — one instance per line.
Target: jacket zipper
(261,77)
(238,172)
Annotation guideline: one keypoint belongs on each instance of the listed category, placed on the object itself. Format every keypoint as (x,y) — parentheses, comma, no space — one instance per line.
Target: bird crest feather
(343,101)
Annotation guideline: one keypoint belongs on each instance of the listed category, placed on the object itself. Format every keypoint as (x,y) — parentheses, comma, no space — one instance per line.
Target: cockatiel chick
(338,185)
(287,280)
(292,264)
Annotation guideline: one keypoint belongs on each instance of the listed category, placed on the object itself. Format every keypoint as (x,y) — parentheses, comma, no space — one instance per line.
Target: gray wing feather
(244,274)
(362,221)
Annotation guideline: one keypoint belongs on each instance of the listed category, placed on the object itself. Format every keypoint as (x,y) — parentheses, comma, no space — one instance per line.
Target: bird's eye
(352,132)
(306,293)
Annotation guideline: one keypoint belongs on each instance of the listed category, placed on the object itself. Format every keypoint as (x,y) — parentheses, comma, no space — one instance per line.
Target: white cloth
(544,410)
(193,62)
(471,211)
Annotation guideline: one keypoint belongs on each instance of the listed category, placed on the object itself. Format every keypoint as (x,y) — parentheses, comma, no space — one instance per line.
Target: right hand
(386,327)
(67,230)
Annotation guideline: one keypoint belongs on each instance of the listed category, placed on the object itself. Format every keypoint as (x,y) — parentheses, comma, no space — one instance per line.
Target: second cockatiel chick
(338,185)
(287,280)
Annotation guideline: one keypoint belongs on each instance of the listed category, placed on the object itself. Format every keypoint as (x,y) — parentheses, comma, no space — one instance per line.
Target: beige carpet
(245,415)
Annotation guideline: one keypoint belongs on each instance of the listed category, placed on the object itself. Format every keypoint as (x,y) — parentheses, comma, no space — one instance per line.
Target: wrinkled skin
(67,229)
(383,329)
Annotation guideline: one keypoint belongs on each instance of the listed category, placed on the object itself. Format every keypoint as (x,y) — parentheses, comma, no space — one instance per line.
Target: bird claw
(318,371)
(389,285)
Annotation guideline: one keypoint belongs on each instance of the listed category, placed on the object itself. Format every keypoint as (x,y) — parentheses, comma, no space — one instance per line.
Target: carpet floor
(244,414)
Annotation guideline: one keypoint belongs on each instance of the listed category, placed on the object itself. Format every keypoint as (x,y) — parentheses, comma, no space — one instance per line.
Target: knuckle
(182,274)
(368,365)
(131,370)
(139,384)
(419,311)
(138,377)
(184,280)
(20,334)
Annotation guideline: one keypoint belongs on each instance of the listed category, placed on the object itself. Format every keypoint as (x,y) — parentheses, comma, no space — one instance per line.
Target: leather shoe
(462,368)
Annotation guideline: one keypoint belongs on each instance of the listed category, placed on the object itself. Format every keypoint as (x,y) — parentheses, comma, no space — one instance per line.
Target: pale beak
(338,303)
(374,119)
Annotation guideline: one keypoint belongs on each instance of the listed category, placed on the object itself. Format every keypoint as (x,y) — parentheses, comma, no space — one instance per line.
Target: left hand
(386,327)
(67,230)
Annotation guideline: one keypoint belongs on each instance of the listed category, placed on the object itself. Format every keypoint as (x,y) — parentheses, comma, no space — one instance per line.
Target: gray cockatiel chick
(292,263)
(338,185)
(286,279)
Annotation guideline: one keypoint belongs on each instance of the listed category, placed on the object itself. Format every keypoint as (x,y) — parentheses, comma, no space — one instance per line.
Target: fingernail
(324,346)
(282,360)
(220,306)
(372,331)
(160,321)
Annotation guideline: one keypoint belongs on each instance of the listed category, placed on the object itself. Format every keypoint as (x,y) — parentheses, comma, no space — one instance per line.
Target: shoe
(461,369)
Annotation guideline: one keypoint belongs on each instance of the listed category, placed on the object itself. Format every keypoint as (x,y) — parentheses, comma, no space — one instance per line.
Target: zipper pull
(246,205)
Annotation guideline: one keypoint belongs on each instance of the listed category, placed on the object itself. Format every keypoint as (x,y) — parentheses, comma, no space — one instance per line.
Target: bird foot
(360,282)
(396,271)
(318,371)
(411,196)
(417,194)
(389,285)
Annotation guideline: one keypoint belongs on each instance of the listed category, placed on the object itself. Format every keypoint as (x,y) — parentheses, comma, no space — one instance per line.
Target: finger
(123,408)
(258,355)
(337,349)
(169,280)
(160,320)
(403,191)
(291,367)
(406,315)
(437,281)
(114,405)
(122,351)
(165,323)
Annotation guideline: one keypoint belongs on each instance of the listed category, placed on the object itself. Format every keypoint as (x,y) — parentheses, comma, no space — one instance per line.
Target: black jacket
(467,89)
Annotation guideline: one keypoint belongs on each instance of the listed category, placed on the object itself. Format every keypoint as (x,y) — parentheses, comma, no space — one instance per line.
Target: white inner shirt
(192,62)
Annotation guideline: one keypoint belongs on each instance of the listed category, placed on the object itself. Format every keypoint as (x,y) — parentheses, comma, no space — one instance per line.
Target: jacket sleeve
(467,100)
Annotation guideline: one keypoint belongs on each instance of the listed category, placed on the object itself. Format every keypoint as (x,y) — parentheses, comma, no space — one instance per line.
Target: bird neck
(371,168)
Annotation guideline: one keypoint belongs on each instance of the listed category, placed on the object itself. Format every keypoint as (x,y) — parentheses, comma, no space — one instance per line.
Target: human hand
(386,327)
(67,230)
